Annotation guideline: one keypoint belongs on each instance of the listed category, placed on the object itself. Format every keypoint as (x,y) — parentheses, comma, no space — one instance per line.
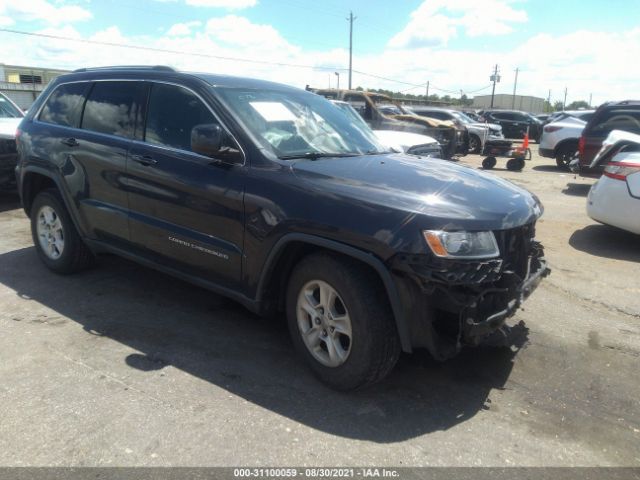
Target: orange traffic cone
(525,142)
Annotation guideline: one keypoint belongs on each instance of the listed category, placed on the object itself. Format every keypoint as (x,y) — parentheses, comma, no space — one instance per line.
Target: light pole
(338,75)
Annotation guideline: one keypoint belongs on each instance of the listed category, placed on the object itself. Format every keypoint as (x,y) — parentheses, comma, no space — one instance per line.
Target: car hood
(402,141)
(8,127)
(442,194)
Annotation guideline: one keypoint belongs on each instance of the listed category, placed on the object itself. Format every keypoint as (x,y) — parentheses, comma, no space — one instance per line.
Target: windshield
(7,109)
(353,115)
(299,124)
(463,117)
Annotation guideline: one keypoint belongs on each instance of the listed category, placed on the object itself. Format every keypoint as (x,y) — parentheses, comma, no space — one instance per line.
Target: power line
(217,57)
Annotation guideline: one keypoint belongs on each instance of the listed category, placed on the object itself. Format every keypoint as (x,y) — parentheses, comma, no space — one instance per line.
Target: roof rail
(162,68)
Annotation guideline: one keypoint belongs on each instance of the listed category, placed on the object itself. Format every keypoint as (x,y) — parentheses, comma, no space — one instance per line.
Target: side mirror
(206,139)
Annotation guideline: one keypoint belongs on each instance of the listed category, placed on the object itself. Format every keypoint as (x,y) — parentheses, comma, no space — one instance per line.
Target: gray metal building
(504,101)
(24,84)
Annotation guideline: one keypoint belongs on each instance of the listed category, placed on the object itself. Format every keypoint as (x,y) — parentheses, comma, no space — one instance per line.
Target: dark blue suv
(272,196)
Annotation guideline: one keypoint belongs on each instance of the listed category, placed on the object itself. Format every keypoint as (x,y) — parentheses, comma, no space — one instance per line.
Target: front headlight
(462,244)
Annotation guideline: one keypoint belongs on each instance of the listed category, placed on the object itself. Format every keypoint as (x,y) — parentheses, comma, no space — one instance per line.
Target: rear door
(108,124)
(186,208)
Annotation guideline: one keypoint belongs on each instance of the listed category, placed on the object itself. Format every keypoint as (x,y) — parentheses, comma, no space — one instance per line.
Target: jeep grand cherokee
(270,195)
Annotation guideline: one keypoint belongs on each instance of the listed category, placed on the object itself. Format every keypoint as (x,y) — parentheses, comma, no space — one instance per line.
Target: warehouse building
(24,84)
(504,101)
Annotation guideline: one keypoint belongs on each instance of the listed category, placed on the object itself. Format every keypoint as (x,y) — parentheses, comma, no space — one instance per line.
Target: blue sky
(451,43)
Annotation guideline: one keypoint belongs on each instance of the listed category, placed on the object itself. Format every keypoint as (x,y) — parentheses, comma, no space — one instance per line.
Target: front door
(186,209)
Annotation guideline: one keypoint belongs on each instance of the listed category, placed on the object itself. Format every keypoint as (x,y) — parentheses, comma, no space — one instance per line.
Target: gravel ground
(123,366)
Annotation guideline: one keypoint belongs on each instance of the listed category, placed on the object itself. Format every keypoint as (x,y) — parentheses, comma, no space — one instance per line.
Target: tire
(489,162)
(475,144)
(51,224)
(565,154)
(373,348)
(515,164)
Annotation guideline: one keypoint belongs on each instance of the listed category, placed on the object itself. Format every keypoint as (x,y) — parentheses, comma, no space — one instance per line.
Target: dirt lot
(124,366)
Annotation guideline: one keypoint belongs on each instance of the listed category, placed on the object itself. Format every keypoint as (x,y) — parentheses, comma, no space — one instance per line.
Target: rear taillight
(552,128)
(581,143)
(621,170)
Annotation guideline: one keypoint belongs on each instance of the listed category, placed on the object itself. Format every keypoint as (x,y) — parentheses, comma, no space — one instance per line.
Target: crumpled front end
(450,303)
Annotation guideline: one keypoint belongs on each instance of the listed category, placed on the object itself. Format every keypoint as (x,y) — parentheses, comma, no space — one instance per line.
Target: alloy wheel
(324,323)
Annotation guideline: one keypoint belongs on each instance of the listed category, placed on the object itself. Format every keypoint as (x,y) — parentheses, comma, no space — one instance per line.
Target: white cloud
(435,22)
(183,29)
(230,4)
(241,32)
(41,10)
(601,63)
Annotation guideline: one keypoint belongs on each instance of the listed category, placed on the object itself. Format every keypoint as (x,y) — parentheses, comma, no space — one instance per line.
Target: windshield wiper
(317,155)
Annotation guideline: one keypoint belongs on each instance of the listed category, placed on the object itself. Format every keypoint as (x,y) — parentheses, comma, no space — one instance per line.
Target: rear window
(64,105)
(112,108)
(626,119)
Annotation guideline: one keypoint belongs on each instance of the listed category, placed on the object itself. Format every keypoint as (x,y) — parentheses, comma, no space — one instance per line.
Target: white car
(399,141)
(412,143)
(559,138)
(10,118)
(615,198)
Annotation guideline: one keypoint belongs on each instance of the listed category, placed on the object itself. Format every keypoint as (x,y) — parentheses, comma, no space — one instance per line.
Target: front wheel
(475,145)
(341,322)
(55,236)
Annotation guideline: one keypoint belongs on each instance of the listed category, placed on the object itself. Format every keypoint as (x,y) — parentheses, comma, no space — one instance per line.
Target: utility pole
(549,100)
(590,98)
(494,78)
(564,103)
(513,100)
(351,19)
(427,100)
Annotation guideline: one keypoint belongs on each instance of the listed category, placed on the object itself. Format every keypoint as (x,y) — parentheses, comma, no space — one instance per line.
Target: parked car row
(281,200)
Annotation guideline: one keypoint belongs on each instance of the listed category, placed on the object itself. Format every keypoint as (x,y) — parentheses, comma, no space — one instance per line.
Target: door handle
(145,160)
(70,142)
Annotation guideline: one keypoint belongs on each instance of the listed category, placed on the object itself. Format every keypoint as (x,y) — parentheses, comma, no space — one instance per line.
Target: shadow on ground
(549,168)
(577,189)
(607,242)
(9,201)
(169,322)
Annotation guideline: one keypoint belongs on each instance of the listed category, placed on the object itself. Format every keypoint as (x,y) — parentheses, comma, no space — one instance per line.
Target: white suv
(560,138)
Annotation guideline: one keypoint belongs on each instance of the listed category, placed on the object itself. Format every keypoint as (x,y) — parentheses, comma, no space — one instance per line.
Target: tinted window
(112,108)
(64,105)
(617,119)
(172,114)
(500,115)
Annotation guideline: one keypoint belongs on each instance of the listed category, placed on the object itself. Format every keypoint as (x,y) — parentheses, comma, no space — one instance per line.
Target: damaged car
(398,141)
(271,196)
(381,112)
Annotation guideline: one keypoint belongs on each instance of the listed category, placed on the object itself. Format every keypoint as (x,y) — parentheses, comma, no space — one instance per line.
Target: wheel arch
(563,143)
(33,181)
(293,247)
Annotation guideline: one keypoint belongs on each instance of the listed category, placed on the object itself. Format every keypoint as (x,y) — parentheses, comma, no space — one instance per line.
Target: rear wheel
(341,322)
(565,154)
(489,162)
(55,237)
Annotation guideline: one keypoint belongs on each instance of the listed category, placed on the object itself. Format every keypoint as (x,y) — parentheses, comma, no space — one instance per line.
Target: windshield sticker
(273,111)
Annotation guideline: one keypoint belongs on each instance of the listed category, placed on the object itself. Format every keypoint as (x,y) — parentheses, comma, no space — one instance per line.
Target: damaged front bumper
(449,304)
